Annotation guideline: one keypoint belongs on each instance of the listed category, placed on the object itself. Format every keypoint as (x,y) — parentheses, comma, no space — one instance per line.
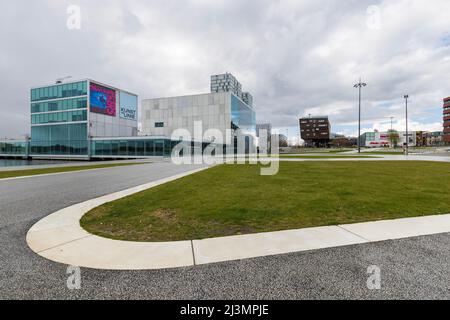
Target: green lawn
(317,150)
(33,172)
(235,199)
(325,156)
(340,150)
(393,153)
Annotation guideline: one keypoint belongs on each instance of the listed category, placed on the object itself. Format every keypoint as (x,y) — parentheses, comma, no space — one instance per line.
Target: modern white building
(223,110)
(162,116)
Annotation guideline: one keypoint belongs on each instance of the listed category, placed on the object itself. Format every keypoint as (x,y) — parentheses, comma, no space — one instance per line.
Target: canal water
(19,162)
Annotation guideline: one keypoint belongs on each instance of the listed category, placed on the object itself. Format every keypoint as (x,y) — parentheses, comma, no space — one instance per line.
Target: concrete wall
(213,109)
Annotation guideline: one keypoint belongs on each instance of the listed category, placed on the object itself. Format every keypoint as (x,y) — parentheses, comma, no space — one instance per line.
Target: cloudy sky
(297,57)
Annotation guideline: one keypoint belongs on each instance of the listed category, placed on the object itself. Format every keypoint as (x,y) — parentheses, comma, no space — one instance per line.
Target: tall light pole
(392,123)
(359,85)
(407,135)
(287,136)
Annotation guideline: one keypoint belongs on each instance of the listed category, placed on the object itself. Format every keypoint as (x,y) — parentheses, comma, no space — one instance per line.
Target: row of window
(19,148)
(149,148)
(133,148)
(59,147)
(66,132)
(59,91)
(69,104)
(68,116)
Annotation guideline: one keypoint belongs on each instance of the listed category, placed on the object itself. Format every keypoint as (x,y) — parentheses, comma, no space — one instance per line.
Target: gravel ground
(415,268)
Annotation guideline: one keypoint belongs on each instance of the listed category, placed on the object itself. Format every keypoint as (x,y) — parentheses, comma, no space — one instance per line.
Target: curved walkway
(59,238)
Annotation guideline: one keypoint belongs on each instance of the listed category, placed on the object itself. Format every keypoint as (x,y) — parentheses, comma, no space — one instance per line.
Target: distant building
(341,141)
(264,126)
(388,139)
(421,140)
(434,139)
(446,133)
(228,83)
(315,131)
(247,98)
(268,128)
(283,140)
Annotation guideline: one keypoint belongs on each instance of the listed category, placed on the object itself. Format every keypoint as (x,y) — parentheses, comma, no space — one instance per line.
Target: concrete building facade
(223,109)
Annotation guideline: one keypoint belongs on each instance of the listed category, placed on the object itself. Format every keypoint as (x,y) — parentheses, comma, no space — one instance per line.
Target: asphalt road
(411,268)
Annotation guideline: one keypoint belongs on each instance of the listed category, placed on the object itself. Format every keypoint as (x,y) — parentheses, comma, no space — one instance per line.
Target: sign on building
(102,100)
(128,106)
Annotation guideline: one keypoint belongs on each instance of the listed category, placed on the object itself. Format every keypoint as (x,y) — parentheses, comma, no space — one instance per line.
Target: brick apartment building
(446,136)
(315,131)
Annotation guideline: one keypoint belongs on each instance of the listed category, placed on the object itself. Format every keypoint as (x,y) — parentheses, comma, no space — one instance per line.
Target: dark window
(159,124)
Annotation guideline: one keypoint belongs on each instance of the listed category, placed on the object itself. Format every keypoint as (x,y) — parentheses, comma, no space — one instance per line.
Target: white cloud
(296,57)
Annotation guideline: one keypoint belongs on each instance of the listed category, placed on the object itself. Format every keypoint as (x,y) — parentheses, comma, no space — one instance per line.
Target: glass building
(59,120)
(243,117)
(19,148)
(66,116)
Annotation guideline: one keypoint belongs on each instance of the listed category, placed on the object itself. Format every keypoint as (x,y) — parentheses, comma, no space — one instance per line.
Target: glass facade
(14,148)
(52,129)
(133,148)
(59,105)
(242,116)
(59,91)
(67,116)
(66,139)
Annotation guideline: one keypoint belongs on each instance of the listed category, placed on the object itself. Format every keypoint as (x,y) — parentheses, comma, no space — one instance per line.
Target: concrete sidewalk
(80,163)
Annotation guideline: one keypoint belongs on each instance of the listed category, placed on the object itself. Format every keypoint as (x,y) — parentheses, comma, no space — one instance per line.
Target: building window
(159,124)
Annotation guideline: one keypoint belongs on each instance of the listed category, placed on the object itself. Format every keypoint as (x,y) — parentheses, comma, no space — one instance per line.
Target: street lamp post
(287,136)
(407,135)
(359,85)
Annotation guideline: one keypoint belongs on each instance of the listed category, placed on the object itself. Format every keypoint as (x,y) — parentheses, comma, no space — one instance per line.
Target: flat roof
(185,96)
(201,94)
(85,79)
(314,117)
